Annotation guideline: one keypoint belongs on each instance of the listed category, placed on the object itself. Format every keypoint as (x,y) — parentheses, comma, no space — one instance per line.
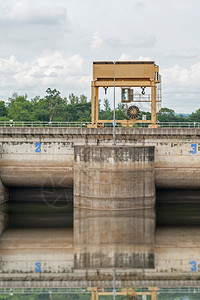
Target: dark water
(39,215)
(52,208)
(178,208)
(40,208)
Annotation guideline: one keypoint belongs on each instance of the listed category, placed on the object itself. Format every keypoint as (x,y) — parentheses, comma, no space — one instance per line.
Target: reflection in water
(25,250)
(39,215)
(114,239)
(99,239)
(40,249)
(178,208)
(4,220)
(38,241)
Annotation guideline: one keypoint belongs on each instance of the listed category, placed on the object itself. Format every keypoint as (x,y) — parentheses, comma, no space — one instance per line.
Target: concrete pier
(129,242)
(114,177)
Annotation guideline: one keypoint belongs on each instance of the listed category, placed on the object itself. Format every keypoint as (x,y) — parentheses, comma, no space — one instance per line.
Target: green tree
(3,110)
(195,116)
(166,115)
(106,113)
(106,105)
(40,110)
(78,112)
(19,108)
(121,111)
(83,99)
(73,99)
(54,103)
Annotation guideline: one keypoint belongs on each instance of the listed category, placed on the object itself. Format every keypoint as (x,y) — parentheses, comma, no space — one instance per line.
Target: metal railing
(42,124)
(17,291)
(85,124)
(168,290)
(145,98)
(179,124)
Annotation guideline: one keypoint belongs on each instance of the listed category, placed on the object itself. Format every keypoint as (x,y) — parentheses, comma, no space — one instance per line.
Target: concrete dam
(35,157)
(112,224)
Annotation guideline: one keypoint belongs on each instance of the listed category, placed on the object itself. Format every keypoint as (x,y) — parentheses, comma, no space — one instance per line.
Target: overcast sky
(52,43)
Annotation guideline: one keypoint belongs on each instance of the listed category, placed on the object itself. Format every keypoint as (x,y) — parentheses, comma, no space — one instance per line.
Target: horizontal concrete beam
(100,283)
(98,131)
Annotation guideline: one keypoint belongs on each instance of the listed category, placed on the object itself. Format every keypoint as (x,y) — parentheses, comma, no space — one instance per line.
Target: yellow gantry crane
(126,74)
(97,291)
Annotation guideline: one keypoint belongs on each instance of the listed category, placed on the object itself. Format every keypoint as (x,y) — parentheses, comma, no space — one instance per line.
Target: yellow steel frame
(126,74)
(96,292)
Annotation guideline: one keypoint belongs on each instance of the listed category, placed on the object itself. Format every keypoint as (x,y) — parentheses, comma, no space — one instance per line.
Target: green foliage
(195,116)
(53,103)
(52,107)
(19,108)
(106,113)
(83,99)
(4,119)
(121,112)
(106,105)
(73,99)
(168,115)
(3,110)
(41,112)
(78,112)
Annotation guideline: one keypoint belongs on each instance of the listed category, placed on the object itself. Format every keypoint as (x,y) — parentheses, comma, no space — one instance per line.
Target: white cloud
(144,58)
(50,68)
(114,42)
(144,41)
(125,57)
(135,41)
(182,54)
(23,11)
(140,5)
(182,78)
(96,41)
(181,87)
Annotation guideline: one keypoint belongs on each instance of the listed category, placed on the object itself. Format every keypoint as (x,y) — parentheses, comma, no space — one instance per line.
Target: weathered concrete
(176,252)
(114,177)
(22,249)
(100,283)
(175,165)
(128,244)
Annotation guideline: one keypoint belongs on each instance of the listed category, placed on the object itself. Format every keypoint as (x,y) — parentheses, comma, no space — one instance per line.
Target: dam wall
(114,177)
(86,160)
(99,242)
(35,157)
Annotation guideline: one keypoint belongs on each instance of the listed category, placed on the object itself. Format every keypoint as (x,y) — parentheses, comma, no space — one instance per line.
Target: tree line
(53,108)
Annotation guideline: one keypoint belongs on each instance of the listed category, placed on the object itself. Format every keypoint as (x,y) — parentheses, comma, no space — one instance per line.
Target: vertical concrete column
(114,177)
(114,239)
